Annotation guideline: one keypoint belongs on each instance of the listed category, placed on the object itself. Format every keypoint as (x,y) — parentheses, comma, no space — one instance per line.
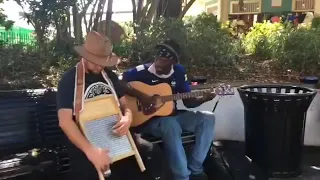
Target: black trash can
(275,118)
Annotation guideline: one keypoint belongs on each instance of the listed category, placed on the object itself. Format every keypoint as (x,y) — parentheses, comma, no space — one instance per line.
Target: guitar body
(140,115)
(164,104)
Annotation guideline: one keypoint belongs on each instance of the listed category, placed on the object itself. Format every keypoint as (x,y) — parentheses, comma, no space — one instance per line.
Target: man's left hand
(122,126)
(208,96)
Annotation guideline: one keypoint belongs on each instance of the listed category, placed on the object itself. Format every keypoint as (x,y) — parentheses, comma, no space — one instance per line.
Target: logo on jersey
(173,83)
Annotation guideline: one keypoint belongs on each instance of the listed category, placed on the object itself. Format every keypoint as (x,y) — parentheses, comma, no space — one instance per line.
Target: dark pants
(83,169)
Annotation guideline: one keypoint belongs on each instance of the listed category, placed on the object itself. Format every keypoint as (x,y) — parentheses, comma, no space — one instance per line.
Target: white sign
(276,3)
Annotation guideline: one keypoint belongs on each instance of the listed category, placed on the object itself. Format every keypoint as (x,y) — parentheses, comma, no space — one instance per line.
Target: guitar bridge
(139,106)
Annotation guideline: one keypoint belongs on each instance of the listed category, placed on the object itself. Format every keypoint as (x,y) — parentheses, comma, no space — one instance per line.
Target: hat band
(97,54)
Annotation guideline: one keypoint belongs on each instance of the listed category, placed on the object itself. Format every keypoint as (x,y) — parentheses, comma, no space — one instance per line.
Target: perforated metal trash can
(275,118)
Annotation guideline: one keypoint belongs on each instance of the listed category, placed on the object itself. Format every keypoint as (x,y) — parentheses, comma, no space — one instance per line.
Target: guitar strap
(79,90)
(79,87)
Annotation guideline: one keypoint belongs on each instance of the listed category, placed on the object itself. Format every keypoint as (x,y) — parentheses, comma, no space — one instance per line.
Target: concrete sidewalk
(243,170)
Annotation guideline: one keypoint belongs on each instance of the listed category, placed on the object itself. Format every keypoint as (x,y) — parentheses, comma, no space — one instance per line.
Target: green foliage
(301,51)
(290,48)
(123,49)
(208,48)
(20,65)
(144,42)
(315,22)
(209,45)
(265,39)
(202,39)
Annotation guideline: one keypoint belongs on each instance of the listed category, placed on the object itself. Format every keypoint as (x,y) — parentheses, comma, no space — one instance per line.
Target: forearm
(74,134)
(131,91)
(193,102)
(125,110)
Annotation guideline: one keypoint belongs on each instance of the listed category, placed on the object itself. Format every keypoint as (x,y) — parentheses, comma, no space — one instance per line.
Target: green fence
(17,35)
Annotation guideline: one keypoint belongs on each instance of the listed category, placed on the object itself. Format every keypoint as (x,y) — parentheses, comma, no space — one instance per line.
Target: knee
(170,126)
(207,118)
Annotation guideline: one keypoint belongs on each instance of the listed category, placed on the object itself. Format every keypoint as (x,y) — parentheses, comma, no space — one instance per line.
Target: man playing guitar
(165,69)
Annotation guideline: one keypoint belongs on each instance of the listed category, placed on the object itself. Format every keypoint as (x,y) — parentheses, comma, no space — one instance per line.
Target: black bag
(216,166)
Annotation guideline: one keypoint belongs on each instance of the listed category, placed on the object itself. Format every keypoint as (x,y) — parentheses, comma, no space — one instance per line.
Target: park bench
(29,121)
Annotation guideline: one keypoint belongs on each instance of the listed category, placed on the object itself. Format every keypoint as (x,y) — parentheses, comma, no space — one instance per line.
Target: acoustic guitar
(164,104)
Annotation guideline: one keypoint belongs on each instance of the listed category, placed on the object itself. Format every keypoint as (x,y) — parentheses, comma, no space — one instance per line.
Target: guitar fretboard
(182,96)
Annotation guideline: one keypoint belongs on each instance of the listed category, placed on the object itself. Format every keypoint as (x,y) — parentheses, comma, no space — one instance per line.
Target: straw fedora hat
(98,50)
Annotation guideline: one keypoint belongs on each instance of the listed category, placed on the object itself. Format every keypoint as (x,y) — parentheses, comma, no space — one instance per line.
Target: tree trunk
(90,25)
(77,29)
(41,41)
(185,9)
(134,10)
(109,18)
(173,9)
(99,13)
(139,10)
(152,10)
(77,19)
(69,22)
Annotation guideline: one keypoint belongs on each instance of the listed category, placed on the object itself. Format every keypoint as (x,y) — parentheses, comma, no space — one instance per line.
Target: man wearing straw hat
(96,55)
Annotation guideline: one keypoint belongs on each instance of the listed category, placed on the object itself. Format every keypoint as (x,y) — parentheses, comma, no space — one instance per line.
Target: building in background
(259,10)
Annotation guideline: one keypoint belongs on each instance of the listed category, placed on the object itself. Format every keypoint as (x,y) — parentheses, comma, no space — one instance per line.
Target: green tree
(3,19)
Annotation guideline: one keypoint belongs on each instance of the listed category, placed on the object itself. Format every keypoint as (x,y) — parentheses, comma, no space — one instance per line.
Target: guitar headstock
(224,90)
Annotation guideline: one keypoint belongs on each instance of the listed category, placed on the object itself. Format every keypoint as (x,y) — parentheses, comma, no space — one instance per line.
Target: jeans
(170,129)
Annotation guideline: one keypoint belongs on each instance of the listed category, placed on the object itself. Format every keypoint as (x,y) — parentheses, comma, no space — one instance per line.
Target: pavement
(242,169)
(233,151)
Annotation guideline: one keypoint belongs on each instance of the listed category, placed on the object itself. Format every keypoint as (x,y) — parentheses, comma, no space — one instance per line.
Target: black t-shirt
(95,85)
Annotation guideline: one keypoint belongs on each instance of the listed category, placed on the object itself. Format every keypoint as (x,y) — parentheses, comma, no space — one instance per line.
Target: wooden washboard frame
(103,106)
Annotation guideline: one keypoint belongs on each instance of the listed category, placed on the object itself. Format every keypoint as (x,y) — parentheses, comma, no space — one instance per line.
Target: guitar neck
(179,96)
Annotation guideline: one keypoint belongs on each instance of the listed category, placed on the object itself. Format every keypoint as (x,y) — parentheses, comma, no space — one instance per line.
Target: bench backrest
(28,119)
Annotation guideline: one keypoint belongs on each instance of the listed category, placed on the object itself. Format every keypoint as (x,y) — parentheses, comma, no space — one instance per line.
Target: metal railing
(303,5)
(250,7)
(16,37)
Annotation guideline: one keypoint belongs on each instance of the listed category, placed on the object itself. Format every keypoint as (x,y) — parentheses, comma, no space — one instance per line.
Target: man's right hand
(99,158)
